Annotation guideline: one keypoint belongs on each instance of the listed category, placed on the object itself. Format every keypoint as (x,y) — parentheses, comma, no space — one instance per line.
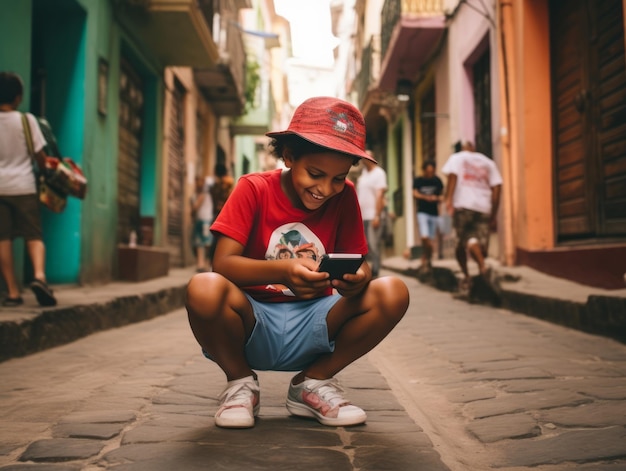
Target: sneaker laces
(329,391)
(239,394)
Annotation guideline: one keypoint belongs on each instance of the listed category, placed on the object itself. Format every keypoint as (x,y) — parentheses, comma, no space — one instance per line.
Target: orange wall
(532,157)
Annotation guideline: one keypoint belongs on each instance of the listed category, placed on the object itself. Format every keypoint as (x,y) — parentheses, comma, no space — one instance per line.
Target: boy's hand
(304,279)
(353,284)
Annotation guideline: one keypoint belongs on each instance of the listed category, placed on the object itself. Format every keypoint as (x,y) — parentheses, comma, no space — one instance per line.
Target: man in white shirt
(473,196)
(371,187)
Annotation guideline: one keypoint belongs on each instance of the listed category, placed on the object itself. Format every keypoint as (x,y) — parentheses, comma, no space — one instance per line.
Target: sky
(311,35)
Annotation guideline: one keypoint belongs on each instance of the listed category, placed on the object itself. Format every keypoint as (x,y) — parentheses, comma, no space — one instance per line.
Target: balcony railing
(393,10)
(370,68)
(223,83)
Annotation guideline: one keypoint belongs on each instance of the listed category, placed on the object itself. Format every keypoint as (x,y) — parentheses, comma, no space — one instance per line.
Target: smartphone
(338,264)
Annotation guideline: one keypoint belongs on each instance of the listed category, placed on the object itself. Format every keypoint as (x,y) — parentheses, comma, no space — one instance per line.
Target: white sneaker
(323,400)
(239,403)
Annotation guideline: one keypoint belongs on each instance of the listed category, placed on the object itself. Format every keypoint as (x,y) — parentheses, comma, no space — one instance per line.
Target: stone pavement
(142,397)
(457,386)
(498,390)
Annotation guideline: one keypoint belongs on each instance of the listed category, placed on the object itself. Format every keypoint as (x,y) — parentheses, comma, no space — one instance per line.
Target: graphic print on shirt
(475,175)
(428,190)
(293,240)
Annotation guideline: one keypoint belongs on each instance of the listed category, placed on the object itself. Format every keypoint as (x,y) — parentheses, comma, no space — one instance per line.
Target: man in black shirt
(428,190)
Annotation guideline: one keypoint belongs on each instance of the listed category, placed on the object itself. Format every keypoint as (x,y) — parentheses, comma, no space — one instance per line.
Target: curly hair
(297,147)
(10,87)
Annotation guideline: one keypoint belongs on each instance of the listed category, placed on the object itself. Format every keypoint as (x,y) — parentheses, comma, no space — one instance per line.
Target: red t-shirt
(259,216)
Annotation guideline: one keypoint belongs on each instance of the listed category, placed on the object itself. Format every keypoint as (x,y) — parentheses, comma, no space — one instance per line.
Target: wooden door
(130,124)
(589,116)
(176,179)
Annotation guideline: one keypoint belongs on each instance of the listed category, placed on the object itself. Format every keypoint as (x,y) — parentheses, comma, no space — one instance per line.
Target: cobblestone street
(456,386)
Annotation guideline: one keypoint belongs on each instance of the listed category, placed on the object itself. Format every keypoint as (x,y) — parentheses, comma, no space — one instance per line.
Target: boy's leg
(477,244)
(461,228)
(461,257)
(358,324)
(221,319)
(476,252)
(427,250)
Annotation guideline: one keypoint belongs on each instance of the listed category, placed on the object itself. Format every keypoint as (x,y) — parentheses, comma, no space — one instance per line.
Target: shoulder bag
(48,196)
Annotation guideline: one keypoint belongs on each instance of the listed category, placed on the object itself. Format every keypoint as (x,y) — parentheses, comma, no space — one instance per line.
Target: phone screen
(337,265)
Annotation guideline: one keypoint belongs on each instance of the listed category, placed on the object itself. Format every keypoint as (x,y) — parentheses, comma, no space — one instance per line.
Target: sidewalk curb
(57,326)
(600,315)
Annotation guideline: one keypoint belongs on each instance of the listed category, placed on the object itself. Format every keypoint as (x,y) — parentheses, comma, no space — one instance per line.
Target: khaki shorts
(468,224)
(20,217)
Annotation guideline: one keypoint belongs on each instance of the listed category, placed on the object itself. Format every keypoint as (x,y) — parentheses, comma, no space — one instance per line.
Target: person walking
(19,203)
(371,187)
(263,307)
(221,188)
(472,196)
(202,211)
(427,190)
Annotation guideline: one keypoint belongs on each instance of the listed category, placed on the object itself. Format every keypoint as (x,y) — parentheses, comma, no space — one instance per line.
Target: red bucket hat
(331,123)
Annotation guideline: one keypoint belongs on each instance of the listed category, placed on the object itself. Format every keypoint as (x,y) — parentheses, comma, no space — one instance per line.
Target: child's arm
(299,274)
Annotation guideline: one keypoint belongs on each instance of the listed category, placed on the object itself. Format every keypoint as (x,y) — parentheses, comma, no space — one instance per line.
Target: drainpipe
(407,177)
(509,124)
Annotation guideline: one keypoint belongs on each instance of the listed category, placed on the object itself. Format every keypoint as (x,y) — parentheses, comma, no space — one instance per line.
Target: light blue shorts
(289,336)
(427,225)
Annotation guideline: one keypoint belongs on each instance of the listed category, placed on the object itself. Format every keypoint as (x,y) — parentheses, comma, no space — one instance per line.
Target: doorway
(589,116)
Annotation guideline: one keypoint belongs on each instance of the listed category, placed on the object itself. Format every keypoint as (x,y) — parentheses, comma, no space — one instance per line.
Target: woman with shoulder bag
(19,203)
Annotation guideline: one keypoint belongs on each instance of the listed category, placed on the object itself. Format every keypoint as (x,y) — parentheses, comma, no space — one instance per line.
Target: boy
(472,197)
(428,189)
(202,215)
(257,311)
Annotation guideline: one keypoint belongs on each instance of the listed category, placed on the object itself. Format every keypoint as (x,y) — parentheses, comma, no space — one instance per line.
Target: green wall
(67,39)
(245,147)
(15,30)
(60,52)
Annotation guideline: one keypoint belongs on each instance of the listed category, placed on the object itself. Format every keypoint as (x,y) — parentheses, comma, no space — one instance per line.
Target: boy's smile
(314,178)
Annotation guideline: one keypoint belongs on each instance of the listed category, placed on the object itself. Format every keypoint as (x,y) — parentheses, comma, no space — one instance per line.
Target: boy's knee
(201,291)
(393,295)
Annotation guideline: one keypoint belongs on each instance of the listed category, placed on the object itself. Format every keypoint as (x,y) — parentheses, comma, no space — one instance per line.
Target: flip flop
(43,293)
(13,302)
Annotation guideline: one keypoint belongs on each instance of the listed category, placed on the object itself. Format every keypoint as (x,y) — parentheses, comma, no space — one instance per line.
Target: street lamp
(404,88)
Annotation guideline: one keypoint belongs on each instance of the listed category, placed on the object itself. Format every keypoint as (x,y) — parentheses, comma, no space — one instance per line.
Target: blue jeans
(428,225)
(374,239)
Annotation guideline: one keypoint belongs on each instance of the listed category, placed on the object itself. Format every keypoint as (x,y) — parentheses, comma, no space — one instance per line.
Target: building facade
(538,86)
(135,91)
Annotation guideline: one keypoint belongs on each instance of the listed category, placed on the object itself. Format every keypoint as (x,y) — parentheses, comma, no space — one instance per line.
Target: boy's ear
(287,158)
